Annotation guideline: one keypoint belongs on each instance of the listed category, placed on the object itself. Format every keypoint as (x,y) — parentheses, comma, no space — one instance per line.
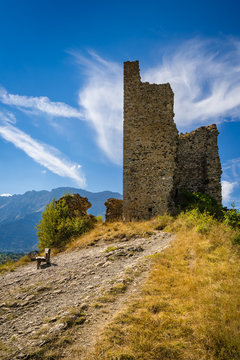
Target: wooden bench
(45,259)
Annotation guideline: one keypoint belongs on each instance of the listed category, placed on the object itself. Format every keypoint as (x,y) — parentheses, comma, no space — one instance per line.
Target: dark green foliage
(236,239)
(188,201)
(57,228)
(202,202)
(232,218)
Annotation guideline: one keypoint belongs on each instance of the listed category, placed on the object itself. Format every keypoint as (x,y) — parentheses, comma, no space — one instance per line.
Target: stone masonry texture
(157,163)
(113,210)
(198,163)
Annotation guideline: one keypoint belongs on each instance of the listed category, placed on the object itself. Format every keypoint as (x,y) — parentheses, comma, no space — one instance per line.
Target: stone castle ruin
(157,162)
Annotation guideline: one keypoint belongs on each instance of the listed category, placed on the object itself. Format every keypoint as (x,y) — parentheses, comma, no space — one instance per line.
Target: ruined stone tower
(150,146)
(156,161)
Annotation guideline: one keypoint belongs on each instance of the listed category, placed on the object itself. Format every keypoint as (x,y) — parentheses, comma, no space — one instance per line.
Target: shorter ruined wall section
(114,209)
(198,162)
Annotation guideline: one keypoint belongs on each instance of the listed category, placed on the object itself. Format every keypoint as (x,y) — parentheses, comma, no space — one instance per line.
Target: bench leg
(38,263)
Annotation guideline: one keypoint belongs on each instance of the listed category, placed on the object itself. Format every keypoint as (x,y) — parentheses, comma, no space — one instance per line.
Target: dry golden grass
(108,232)
(11,266)
(189,308)
(111,232)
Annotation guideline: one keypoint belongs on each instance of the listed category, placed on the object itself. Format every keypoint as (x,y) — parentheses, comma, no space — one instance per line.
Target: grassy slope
(111,232)
(189,308)
(106,231)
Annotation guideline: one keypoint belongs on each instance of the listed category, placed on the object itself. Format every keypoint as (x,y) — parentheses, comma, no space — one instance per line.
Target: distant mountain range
(19,214)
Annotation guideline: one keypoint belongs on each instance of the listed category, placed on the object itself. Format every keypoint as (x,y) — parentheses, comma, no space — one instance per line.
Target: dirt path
(39,306)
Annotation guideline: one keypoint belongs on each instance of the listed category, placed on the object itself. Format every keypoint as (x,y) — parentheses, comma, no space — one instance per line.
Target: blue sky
(61,84)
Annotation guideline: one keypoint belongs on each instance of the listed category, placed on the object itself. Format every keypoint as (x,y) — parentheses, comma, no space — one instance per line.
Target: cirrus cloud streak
(204,74)
(205,77)
(40,104)
(101,100)
(43,154)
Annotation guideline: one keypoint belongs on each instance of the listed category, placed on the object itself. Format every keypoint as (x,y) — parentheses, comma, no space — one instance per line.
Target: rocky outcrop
(76,204)
(114,208)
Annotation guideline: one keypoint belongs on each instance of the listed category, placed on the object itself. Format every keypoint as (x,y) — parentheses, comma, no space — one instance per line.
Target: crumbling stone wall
(114,209)
(156,161)
(150,146)
(198,162)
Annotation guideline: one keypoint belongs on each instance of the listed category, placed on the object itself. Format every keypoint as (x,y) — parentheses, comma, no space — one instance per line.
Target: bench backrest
(47,254)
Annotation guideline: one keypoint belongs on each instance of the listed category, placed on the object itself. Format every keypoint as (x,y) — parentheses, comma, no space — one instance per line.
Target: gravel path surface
(36,305)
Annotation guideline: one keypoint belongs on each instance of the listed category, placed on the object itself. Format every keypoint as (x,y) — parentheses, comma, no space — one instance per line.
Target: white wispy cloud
(43,154)
(230,182)
(204,74)
(5,195)
(101,100)
(7,116)
(39,104)
(205,77)
(231,169)
(227,190)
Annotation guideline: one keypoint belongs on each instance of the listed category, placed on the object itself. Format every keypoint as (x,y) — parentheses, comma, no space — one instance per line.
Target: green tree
(56,227)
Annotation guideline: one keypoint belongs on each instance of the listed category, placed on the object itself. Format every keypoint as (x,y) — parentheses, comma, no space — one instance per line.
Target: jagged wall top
(150,146)
(156,161)
(198,163)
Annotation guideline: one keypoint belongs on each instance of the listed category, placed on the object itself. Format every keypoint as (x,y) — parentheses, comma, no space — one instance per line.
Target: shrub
(204,203)
(232,218)
(201,211)
(193,219)
(236,239)
(57,227)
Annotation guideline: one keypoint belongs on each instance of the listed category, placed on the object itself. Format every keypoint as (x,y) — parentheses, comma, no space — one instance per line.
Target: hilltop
(167,288)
